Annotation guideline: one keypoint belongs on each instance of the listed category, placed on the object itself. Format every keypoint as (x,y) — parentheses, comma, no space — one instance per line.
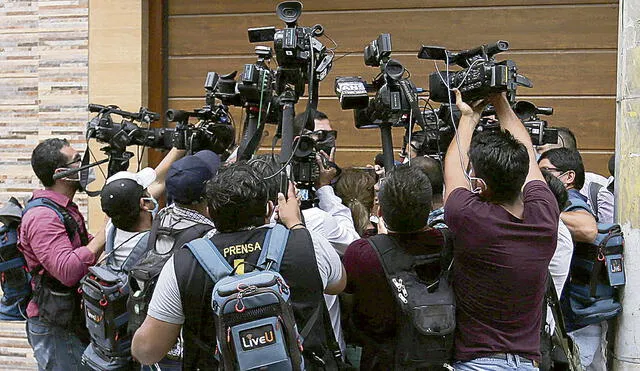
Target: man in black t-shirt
(239,207)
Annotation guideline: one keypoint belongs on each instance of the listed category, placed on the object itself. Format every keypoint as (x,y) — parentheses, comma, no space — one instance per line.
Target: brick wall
(43,84)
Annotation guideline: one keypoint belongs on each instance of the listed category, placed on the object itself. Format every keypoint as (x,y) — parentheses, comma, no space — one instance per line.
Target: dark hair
(557,188)
(355,188)
(611,165)
(320,116)
(265,166)
(433,169)
(237,198)
(405,199)
(47,157)
(565,159)
(502,162)
(566,138)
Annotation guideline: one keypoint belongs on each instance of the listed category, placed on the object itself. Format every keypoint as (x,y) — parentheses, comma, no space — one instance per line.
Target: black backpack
(425,310)
(15,277)
(105,290)
(144,275)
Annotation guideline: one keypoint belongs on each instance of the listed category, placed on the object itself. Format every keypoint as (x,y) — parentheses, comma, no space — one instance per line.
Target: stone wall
(43,84)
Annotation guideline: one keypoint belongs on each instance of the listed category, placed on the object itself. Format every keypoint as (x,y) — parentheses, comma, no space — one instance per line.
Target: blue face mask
(155,205)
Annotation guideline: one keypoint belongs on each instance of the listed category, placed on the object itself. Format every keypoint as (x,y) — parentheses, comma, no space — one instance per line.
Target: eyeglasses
(551,169)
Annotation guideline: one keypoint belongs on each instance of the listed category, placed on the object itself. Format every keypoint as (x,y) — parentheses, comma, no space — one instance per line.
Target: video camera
(396,98)
(481,75)
(528,113)
(120,135)
(439,128)
(301,57)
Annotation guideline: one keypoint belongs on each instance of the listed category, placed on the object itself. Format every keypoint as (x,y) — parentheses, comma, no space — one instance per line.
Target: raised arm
(457,157)
(509,121)
(157,188)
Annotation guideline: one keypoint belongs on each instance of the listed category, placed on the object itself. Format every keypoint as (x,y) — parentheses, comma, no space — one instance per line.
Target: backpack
(596,270)
(14,275)
(255,326)
(144,275)
(105,290)
(425,311)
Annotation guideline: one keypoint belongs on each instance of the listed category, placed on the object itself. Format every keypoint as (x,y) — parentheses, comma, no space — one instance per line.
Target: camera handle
(287,106)
(252,134)
(118,160)
(387,147)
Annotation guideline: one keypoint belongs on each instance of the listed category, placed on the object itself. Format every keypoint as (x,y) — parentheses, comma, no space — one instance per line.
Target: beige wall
(117,66)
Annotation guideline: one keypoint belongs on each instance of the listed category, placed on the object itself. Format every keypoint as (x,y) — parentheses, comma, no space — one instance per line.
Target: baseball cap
(123,190)
(187,177)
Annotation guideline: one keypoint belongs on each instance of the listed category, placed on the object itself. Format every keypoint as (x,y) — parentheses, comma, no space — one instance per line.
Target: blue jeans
(511,362)
(54,347)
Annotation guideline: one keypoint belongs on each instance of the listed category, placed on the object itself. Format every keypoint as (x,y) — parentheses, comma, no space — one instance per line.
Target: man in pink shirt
(59,253)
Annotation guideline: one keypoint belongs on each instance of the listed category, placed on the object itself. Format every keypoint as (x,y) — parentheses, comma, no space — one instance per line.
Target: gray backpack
(255,327)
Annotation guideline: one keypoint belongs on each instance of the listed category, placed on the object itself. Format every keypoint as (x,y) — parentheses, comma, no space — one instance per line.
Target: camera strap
(413,102)
(84,175)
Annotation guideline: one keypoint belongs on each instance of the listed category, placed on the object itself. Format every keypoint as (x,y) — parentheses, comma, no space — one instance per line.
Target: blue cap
(187,177)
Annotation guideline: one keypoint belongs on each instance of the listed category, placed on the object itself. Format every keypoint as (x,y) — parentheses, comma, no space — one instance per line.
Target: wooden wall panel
(573,70)
(546,27)
(182,7)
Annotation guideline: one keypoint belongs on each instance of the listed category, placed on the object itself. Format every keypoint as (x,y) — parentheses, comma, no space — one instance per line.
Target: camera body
(395,96)
(304,167)
(296,50)
(480,77)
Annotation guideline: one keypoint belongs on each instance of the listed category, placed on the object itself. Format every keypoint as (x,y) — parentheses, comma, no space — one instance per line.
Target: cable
(455,127)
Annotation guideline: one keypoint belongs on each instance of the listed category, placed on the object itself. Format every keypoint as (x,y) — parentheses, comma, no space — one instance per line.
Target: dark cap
(122,191)
(187,177)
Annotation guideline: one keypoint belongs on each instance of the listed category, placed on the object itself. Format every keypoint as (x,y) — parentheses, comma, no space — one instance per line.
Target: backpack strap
(70,224)
(155,226)
(207,254)
(45,202)
(110,240)
(594,188)
(136,253)
(560,333)
(190,234)
(577,204)
(273,247)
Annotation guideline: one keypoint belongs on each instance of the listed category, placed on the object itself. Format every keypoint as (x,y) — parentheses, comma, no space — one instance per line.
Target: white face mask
(91,176)
(477,189)
(155,204)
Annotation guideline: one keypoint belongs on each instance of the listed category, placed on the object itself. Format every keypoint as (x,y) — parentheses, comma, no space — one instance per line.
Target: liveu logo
(257,337)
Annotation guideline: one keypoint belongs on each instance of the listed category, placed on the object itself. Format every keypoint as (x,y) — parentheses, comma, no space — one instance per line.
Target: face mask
(478,188)
(155,205)
(91,176)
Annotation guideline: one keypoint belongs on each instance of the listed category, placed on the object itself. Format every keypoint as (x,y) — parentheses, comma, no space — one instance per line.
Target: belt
(505,357)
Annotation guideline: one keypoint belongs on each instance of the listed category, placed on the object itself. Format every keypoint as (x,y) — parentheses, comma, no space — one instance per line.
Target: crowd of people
(494,218)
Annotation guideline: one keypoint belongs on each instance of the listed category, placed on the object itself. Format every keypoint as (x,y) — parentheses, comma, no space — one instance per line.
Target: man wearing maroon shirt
(64,257)
(505,220)
(405,203)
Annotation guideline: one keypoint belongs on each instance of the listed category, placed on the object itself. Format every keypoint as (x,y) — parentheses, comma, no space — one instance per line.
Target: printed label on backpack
(95,317)
(257,337)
